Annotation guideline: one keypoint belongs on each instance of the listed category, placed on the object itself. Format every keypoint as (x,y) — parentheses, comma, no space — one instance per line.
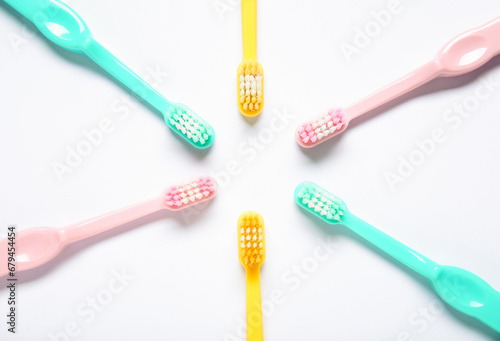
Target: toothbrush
(36,246)
(250,72)
(64,27)
(252,252)
(462,54)
(459,288)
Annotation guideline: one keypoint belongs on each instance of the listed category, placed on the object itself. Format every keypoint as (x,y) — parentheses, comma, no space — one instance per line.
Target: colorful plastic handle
(249,26)
(459,288)
(38,245)
(255,327)
(462,54)
(64,27)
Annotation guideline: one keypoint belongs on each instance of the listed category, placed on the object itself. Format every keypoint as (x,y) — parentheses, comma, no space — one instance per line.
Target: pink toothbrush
(463,54)
(38,245)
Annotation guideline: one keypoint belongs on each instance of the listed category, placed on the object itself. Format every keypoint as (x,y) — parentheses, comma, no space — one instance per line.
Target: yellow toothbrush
(252,252)
(250,72)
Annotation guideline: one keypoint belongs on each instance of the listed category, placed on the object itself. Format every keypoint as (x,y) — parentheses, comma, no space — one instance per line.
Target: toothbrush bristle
(190,126)
(251,239)
(250,87)
(321,128)
(320,202)
(190,193)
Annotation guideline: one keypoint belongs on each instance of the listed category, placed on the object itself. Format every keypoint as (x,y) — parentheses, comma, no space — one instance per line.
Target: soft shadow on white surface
(342,231)
(439,84)
(85,62)
(189,283)
(73,249)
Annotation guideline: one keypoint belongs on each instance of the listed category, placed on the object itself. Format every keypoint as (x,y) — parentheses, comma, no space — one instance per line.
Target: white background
(188,283)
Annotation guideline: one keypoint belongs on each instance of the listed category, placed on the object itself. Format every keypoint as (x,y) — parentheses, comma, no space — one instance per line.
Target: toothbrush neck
(125,75)
(418,77)
(108,221)
(249,23)
(392,247)
(255,330)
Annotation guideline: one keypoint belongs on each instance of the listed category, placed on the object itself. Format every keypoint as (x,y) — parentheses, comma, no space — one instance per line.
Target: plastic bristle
(190,126)
(250,87)
(321,128)
(251,245)
(190,193)
(320,202)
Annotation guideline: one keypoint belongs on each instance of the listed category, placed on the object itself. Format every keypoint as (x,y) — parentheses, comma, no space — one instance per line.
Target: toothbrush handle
(470,50)
(25,7)
(492,316)
(461,289)
(391,246)
(468,293)
(418,77)
(255,330)
(124,74)
(110,220)
(249,23)
(462,54)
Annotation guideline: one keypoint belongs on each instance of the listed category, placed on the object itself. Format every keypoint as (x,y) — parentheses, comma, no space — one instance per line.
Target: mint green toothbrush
(64,27)
(459,288)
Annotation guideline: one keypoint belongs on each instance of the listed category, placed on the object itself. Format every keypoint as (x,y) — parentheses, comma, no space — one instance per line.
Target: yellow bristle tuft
(251,241)
(250,87)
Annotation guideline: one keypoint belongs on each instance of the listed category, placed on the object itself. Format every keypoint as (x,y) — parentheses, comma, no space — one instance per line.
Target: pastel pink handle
(36,246)
(462,54)
(470,50)
(110,220)
(413,80)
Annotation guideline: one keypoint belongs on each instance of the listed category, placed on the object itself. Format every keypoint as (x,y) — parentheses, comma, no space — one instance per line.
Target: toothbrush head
(321,128)
(251,241)
(190,193)
(320,202)
(190,126)
(250,88)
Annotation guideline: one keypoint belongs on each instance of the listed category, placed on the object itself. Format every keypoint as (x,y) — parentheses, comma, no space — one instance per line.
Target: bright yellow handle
(249,21)
(255,330)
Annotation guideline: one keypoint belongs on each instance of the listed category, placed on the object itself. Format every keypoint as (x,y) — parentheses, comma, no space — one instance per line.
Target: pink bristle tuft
(321,128)
(190,193)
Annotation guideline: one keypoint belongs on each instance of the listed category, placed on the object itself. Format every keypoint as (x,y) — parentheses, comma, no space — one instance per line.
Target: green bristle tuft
(190,126)
(320,202)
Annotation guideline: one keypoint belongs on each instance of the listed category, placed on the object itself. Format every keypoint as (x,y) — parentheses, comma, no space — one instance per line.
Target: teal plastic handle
(120,71)
(64,27)
(459,288)
(406,255)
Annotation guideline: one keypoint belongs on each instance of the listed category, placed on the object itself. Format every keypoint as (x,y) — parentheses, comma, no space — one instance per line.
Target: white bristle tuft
(190,193)
(319,128)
